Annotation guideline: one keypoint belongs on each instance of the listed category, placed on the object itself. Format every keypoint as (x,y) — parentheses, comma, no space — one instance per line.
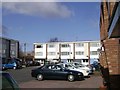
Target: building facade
(9,48)
(80,51)
(110,40)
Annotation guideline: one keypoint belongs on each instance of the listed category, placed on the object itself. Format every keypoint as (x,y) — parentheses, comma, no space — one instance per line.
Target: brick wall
(112,53)
(119,57)
(110,56)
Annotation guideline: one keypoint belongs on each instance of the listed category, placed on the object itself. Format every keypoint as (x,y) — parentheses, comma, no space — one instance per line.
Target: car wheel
(14,68)
(71,78)
(40,77)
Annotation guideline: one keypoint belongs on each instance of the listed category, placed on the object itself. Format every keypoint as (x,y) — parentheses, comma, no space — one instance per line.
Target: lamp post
(24,51)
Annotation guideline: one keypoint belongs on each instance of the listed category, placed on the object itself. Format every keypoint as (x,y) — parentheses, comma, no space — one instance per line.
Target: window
(57,67)
(49,67)
(39,53)
(93,44)
(80,53)
(93,53)
(13,47)
(79,44)
(51,45)
(65,45)
(85,60)
(39,46)
(12,44)
(51,53)
(13,52)
(0,51)
(4,51)
(65,53)
(53,67)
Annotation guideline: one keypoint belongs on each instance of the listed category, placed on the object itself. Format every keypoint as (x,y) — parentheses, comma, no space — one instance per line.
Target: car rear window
(5,83)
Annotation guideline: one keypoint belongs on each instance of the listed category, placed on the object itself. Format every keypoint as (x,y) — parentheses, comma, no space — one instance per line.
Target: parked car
(71,67)
(85,67)
(52,71)
(8,82)
(2,63)
(95,65)
(29,63)
(23,63)
(12,63)
(36,62)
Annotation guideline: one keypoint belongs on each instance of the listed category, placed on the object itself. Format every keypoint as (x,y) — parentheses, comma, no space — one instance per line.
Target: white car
(81,66)
(71,67)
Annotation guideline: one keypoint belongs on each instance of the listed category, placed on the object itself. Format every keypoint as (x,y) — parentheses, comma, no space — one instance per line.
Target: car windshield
(68,66)
(42,67)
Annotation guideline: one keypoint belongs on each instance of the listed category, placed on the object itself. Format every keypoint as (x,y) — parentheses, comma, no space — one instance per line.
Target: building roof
(9,39)
(66,42)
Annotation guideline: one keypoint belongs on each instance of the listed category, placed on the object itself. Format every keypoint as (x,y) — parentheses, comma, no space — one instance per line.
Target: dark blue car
(95,65)
(52,71)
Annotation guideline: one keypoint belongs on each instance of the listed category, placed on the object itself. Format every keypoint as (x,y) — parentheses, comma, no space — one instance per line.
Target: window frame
(79,44)
(39,46)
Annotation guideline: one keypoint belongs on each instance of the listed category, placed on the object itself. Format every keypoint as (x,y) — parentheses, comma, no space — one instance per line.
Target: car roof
(3,72)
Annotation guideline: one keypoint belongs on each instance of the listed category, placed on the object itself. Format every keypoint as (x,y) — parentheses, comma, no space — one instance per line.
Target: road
(24,79)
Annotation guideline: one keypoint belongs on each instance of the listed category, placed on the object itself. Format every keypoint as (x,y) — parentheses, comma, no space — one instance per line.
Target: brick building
(110,40)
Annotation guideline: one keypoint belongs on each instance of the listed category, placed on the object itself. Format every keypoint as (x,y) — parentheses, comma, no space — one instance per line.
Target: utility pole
(24,51)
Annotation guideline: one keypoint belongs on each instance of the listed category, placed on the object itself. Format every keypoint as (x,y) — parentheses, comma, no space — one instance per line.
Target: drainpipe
(89,52)
(59,52)
(46,52)
(73,51)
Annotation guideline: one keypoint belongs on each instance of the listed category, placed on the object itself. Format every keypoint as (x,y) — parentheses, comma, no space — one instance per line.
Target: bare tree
(21,53)
(55,39)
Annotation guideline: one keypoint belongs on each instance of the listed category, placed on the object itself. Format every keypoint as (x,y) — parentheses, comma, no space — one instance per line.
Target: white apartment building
(82,51)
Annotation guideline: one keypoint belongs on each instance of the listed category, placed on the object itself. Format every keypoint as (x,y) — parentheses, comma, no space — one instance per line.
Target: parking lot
(24,79)
(93,82)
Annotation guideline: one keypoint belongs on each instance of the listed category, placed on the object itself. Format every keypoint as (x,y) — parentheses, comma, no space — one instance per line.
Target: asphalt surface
(93,82)
(22,75)
(24,79)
